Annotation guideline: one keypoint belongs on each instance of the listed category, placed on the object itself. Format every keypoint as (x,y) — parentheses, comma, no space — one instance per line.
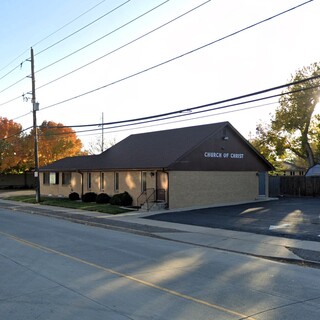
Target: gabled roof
(156,149)
(153,150)
(313,171)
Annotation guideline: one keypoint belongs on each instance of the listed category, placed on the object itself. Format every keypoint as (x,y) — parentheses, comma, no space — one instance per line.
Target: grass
(67,203)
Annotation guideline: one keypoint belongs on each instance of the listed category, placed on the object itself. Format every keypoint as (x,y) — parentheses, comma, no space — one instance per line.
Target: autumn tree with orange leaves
(55,142)
(11,149)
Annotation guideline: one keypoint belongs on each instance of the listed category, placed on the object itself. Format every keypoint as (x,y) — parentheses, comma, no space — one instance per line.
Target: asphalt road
(297,218)
(55,269)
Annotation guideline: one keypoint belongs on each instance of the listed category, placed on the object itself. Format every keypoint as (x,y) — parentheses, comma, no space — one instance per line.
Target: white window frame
(101,180)
(116,182)
(143,181)
(89,180)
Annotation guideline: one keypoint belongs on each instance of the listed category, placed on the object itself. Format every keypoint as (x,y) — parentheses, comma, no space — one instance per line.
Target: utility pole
(35,108)
(102,134)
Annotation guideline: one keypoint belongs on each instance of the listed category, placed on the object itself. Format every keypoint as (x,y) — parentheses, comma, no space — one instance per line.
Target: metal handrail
(150,196)
(144,196)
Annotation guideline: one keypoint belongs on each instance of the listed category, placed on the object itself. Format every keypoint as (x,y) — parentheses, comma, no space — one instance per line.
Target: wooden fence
(17,181)
(299,186)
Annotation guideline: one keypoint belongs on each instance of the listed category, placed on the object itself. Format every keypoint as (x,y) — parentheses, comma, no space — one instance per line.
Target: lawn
(67,203)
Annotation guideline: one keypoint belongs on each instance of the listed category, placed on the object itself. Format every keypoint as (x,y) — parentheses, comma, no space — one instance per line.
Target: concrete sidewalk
(272,247)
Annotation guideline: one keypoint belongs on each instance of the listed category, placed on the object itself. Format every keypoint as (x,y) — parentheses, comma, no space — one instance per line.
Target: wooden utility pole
(35,108)
(102,133)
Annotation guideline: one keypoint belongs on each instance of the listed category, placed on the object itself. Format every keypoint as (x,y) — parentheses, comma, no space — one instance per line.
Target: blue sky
(261,57)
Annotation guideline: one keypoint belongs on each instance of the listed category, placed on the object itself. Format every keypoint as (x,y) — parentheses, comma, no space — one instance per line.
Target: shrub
(103,198)
(74,196)
(89,197)
(121,199)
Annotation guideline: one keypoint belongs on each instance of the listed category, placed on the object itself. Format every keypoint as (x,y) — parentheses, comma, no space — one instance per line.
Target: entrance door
(262,184)
(162,186)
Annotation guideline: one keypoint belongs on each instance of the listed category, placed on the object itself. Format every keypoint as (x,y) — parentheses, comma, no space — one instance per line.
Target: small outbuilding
(193,166)
(313,171)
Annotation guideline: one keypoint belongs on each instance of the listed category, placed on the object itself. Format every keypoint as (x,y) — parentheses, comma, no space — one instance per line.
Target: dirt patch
(12,193)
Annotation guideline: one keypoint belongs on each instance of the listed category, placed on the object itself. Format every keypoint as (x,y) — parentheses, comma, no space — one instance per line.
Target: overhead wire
(104,36)
(176,57)
(190,111)
(189,52)
(113,51)
(16,134)
(82,28)
(51,34)
(13,84)
(175,121)
(12,99)
(125,45)
(87,45)
(61,40)
(9,72)
(248,95)
(165,123)
(182,113)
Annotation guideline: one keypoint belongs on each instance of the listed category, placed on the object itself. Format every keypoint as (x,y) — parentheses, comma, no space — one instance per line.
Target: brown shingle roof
(160,149)
(156,149)
(70,164)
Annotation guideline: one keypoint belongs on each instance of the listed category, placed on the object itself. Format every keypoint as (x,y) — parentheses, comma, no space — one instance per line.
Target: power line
(184,112)
(51,34)
(212,103)
(178,114)
(70,22)
(16,134)
(8,101)
(91,43)
(178,121)
(84,27)
(176,57)
(9,72)
(104,36)
(125,45)
(170,59)
(65,25)
(13,84)
(92,22)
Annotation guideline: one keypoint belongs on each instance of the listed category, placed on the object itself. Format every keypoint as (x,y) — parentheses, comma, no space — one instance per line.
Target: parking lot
(297,218)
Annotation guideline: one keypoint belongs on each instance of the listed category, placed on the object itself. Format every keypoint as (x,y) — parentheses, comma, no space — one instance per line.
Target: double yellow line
(128,277)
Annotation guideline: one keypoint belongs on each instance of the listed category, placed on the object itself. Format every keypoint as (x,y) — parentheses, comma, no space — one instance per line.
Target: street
(56,269)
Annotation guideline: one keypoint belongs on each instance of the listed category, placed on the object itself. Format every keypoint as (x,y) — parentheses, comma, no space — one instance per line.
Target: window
(89,180)
(101,180)
(143,181)
(51,178)
(116,181)
(66,178)
(46,178)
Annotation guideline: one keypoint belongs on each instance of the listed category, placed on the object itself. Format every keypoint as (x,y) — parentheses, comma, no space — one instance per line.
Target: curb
(153,231)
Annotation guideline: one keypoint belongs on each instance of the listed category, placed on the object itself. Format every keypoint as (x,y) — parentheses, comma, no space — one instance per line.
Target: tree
(55,142)
(294,130)
(17,148)
(10,146)
(98,145)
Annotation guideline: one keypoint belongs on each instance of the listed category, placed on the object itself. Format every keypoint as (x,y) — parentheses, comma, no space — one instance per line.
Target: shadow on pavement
(297,218)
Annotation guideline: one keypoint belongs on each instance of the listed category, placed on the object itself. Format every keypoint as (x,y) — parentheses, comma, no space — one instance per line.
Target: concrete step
(154,206)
